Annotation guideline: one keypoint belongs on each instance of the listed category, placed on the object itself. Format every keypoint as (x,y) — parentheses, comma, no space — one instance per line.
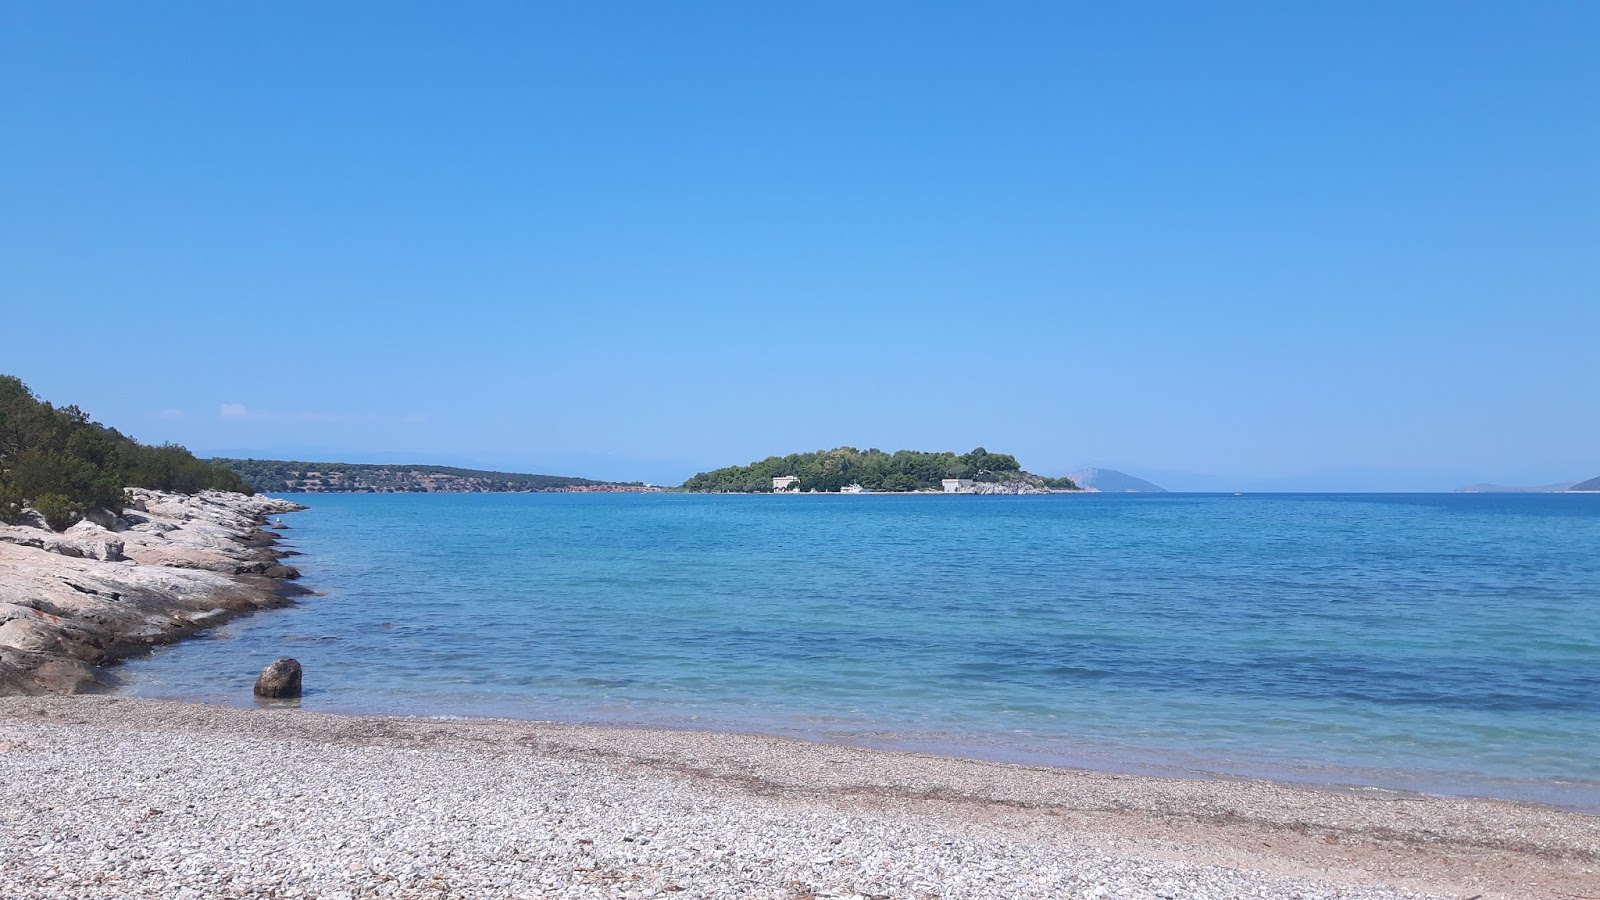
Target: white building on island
(782,484)
(957,485)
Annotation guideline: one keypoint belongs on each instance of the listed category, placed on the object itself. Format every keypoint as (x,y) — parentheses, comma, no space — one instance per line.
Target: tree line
(288,476)
(873,469)
(64,465)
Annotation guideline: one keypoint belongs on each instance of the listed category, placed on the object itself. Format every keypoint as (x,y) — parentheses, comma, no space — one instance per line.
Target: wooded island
(846,468)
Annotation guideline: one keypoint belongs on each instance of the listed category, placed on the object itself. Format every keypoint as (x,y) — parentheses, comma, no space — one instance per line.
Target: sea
(1438,643)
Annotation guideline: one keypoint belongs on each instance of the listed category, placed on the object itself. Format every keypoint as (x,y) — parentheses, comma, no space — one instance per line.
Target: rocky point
(168,566)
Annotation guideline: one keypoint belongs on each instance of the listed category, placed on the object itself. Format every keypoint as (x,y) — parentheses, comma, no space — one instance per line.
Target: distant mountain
(1592,484)
(1110,481)
(1508,489)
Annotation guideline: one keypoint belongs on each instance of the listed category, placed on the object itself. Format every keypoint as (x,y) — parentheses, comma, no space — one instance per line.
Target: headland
(168,565)
(296,477)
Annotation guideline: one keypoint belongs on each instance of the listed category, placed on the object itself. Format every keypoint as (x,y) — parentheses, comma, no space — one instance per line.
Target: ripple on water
(1440,641)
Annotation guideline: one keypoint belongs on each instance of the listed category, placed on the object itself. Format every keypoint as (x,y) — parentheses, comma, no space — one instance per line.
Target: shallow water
(1445,643)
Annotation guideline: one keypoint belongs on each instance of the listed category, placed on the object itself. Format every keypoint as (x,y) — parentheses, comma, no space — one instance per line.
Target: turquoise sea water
(1445,643)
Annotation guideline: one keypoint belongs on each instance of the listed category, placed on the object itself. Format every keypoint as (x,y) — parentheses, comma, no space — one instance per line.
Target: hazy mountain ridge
(1557,488)
(1110,481)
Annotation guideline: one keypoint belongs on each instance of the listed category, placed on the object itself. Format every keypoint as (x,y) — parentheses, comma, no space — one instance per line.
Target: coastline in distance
(1562,487)
(1111,481)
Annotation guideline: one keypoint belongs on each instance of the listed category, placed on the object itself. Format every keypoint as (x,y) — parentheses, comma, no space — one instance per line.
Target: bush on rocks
(11,502)
(57,510)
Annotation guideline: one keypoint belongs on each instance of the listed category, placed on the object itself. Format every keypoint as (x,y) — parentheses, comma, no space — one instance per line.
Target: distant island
(1592,485)
(848,470)
(1110,481)
(277,476)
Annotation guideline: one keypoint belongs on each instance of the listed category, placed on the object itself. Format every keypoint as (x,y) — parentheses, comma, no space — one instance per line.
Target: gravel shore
(116,797)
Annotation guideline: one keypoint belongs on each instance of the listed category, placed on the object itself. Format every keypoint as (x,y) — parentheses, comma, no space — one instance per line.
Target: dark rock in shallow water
(269,569)
(280,680)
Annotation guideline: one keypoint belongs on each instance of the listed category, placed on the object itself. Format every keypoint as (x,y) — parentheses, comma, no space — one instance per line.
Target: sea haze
(1444,643)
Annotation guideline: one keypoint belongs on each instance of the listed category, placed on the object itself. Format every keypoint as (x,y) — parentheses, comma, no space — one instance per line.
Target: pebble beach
(115,797)
(121,796)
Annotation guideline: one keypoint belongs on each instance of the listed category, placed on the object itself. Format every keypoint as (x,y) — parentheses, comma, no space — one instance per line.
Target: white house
(784,483)
(957,485)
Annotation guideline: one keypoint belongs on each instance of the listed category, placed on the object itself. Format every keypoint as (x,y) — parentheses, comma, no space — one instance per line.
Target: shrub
(226,479)
(57,510)
(11,501)
(66,465)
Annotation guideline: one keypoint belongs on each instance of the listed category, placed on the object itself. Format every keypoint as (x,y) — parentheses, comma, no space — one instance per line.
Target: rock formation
(168,566)
(280,679)
(1010,486)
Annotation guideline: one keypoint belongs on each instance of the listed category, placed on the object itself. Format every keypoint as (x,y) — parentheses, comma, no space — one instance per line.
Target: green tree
(59,512)
(829,470)
(11,501)
(61,458)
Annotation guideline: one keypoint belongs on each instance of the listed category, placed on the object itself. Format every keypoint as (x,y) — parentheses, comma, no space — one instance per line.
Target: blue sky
(1346,245)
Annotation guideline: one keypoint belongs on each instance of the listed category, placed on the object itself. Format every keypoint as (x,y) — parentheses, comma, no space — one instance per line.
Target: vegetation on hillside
(64,465)
(294,476)
(874,470)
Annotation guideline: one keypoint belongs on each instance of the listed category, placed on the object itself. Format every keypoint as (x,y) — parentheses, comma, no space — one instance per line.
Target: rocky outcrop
(1010,486)
(280,680)
(168,566)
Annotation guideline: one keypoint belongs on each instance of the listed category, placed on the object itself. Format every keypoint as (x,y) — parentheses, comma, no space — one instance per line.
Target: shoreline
(277,796)
(1108,759)
(74,603)
(261,801)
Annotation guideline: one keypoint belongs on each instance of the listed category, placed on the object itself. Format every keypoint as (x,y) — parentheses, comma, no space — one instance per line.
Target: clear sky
(1301,245)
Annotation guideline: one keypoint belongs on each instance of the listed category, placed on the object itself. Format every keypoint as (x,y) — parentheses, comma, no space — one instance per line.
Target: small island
(850,471)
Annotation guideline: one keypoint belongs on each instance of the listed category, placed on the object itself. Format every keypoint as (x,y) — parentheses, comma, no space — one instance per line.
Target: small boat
(279,525)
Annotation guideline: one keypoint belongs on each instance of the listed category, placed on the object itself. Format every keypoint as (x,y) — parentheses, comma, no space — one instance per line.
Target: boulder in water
(280,680)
